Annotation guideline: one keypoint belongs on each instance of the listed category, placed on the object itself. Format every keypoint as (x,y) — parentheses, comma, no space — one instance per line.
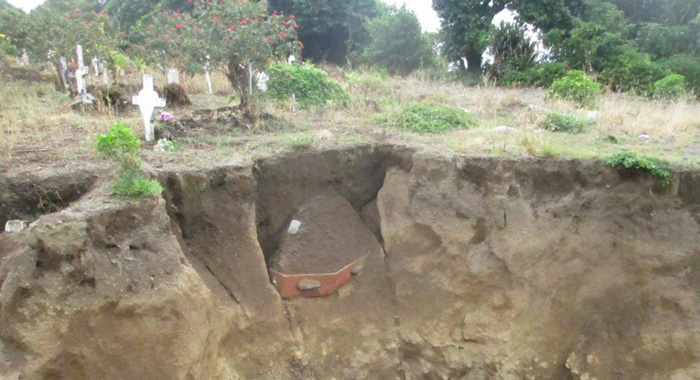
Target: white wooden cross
(148,100)
(80,74)
(95,66)
(64,69)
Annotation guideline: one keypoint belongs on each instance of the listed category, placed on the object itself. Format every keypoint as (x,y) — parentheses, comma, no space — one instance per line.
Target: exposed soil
(478,268)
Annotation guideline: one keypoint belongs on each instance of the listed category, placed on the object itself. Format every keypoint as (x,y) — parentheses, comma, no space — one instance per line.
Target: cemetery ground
(37,128)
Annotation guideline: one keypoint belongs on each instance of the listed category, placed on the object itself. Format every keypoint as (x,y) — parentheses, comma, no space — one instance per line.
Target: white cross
(148,100)
(80,74)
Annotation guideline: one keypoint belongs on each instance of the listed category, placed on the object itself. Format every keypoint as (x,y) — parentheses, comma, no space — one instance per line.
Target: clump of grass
(121,146)
(562,122)
(302,140)
(649,164)
(428,118)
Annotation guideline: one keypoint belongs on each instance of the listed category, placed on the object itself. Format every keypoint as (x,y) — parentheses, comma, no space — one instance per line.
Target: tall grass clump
(309,86)
(121,146)
(428,118)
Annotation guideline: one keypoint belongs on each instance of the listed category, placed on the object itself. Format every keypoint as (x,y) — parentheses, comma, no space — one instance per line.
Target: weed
(121,146)
(302,140)
(562,122)
(635,161)
(428,118)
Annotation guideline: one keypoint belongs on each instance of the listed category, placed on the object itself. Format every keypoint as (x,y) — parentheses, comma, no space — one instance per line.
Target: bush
(110,96)
(633,71)
(428,118)
(121,146)
(687,66)
(575,86)
(175,95)
(310,86)
(367,83)
(561,122)
(649,164)
(540,76)
(670,87)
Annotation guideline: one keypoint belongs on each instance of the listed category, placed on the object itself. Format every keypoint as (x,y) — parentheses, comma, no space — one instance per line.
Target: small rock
(593,115)
(355,271)
(294,227)
(504,129)
(15,226)
(308,284)
(644,137)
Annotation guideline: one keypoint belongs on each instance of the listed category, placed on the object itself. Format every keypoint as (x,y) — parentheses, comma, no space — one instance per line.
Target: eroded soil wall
(487,269)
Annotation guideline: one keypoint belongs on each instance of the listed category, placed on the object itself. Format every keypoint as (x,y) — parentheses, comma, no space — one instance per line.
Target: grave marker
(80,75)
(148,100)
(208,76)
(64,69)
(173,76)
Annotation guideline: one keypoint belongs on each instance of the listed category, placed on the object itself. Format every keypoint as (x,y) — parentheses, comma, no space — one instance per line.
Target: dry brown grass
(36,125)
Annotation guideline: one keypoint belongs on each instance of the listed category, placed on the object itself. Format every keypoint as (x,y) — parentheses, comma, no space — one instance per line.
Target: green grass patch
(648,164)
(134,185)
(302,140)
(428,118)
(562,122)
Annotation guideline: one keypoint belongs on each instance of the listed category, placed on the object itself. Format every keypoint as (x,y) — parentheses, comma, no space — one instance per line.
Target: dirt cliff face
(481,269)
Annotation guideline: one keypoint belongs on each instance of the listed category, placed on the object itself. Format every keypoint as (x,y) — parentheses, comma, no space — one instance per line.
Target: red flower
(178,25)
(232,28)
(284,22)
(283,34)
(190,1)
(255,18)
(295,26)
(274,13)
(292,17)
(267,39)
(215,19)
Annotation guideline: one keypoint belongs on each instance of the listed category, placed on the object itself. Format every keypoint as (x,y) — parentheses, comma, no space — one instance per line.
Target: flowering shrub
(165,116)
(233,34)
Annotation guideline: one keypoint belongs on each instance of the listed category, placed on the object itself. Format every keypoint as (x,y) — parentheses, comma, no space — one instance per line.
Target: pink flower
(165,116)
(283,34)
(215,19)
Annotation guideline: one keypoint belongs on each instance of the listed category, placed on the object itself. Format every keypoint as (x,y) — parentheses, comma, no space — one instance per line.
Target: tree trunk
(238,77)
(474,59)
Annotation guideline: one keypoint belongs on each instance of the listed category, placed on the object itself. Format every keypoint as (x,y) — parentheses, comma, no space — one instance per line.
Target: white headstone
(24,58)
(95,66)
(291,59)
(173,76)
(262,81)
(80,74)
(15,226)
(105,73)
(148,100)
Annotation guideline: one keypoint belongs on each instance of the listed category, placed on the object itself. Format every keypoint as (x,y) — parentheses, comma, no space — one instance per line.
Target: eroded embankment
(477,268)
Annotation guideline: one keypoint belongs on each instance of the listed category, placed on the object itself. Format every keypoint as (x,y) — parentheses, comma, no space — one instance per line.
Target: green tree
(331,30)
(235,35)
(397,43)
(465,26)
(13,29)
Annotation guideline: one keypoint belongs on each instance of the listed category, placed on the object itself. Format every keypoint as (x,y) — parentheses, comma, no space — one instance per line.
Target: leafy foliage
(687,66)
(577,87)
(310,86)
(121,146)
(428,118)
(539,76)
(648,164)
(670,87)
(397,43)
(235,35)
(511,49)
(561,122)
(632,71)
(331,30)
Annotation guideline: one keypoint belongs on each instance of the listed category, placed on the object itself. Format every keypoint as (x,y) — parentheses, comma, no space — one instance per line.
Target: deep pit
(476,268)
